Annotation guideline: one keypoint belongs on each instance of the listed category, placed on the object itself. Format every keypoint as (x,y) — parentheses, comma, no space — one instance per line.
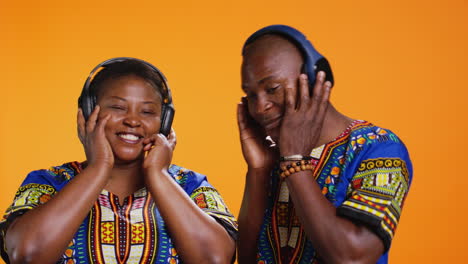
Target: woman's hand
(257,150)
(91,133)
(159,151)
(304,114)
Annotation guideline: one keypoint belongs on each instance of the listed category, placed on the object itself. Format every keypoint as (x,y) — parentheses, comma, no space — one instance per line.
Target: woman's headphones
(313,60)
(87,100)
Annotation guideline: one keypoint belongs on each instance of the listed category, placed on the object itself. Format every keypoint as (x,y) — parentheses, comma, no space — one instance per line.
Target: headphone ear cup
(323,65)
(87,103)
(167,116)
(306,69)
(90,104)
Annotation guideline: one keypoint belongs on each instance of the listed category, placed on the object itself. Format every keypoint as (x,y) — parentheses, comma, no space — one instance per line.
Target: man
(320,187)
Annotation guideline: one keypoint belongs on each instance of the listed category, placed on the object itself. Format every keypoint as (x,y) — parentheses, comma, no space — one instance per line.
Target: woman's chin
(129,157)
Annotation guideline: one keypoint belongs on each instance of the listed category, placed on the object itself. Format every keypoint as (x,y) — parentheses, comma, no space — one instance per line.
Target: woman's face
(135,114)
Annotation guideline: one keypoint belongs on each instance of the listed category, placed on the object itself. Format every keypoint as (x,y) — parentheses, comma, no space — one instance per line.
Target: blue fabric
(367,168)
(137,223)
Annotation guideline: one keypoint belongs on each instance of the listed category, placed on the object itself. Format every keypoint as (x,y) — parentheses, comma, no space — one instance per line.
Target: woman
(125,203)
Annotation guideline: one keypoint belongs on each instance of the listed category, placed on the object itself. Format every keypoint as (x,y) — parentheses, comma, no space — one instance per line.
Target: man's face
(270,65)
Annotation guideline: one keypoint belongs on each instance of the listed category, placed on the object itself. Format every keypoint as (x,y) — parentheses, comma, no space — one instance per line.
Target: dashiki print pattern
(113,233)
(365,172)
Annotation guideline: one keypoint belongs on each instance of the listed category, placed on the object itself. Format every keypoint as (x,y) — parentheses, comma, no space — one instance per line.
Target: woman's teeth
(129,137)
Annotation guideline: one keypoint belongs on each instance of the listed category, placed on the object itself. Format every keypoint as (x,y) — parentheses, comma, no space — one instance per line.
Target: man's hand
(256,149)
(304,114)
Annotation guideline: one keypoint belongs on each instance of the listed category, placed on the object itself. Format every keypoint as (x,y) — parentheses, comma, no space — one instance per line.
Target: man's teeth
(128,136)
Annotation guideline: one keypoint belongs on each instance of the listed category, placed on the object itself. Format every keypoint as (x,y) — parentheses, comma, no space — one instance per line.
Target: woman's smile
(135,109)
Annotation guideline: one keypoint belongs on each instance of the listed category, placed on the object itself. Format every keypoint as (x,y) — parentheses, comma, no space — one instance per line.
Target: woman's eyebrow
(150,102)
(118,98)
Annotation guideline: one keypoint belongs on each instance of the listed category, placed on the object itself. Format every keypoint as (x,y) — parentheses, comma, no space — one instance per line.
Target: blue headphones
(87,101)
(313,60)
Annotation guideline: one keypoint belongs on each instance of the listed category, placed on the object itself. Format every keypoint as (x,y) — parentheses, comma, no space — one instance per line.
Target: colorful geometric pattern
(123,235)
(107,233)
(365,172)
(132,232)
(376,195)
(211,202)
(28,197)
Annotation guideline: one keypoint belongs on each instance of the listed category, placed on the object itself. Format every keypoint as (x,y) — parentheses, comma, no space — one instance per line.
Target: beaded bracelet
(294,167)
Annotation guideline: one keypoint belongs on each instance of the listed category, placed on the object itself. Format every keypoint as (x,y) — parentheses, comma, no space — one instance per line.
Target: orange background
(400,64)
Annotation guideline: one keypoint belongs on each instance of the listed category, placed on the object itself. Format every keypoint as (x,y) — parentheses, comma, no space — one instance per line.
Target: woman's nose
(131,120)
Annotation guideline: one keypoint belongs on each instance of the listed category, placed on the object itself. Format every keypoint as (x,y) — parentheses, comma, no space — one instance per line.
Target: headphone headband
(105,63)
(313,60)
(87,100)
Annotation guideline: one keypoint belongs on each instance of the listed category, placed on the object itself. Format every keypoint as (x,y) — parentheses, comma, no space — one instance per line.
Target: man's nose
(263,105)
